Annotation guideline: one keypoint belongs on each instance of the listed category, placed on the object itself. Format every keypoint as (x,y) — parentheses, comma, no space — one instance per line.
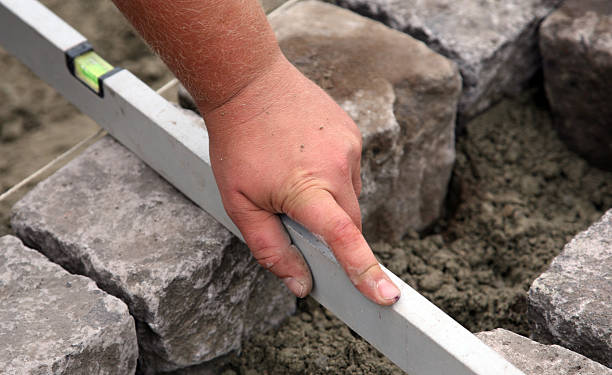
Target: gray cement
(537,359)
(52,322)
(571,303)
(193,288)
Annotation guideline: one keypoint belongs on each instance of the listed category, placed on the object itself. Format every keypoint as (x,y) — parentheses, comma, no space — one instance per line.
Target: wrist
(273,82)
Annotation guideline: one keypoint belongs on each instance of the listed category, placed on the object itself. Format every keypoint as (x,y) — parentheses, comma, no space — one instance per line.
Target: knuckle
(342,231)
(358,186)
(353,150)
(267,257)
(343,169)
(232,207)
(360,276)
(234,212)
(358,143)
(300,189)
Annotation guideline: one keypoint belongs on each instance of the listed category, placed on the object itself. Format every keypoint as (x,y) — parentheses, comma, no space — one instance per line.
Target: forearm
(215,47)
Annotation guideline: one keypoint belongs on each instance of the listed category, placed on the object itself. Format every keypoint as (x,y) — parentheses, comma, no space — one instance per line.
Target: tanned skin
(278,143)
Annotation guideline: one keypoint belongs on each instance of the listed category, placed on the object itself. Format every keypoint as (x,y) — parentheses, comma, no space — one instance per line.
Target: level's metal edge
(413,333)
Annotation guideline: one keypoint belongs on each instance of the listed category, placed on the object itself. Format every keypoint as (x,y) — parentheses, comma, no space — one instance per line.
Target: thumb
(270,244)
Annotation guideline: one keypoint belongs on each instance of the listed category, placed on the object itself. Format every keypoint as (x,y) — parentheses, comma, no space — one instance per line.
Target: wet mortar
(517,196)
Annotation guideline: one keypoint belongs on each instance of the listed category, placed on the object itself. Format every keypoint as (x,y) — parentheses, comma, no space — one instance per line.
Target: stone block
(270,5)
(534,358)
(53,322)
(576,45)
(493,42)
(193,288)
(571,303)
(403,98)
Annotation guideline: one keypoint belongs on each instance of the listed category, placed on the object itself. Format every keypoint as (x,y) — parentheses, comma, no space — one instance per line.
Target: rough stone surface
(576,45)
(193,288)
(571,303)
(52,322)
(537,359)
(494,42)
(403,97)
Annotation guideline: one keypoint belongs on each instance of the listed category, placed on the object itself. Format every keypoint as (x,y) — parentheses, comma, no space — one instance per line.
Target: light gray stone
(537,359)
(193,288)
(494,42)
(571,303)
(52,322)
(270,5)
(576,45)
(401,95)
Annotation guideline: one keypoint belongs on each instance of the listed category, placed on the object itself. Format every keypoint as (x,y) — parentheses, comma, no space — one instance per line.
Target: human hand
(281,145)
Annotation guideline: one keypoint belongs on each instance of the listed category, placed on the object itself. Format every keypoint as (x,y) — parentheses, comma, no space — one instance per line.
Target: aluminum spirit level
(413,333)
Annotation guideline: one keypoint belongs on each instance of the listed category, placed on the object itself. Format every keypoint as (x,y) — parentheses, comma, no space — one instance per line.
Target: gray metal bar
(413,333)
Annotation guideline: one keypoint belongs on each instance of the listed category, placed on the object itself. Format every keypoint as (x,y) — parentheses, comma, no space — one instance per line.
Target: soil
(517,196)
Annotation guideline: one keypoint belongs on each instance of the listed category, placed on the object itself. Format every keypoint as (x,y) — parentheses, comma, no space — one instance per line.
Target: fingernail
(387,290)
(295,286)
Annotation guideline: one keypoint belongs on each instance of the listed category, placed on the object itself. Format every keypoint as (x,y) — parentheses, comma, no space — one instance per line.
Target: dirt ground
(517,196)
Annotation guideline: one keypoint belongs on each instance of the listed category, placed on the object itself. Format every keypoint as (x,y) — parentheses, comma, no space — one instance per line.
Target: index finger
(319,212)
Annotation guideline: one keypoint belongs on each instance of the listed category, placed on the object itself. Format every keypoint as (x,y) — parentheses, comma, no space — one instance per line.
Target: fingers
(347,199)
(318,211)
(356,177)
(270,245)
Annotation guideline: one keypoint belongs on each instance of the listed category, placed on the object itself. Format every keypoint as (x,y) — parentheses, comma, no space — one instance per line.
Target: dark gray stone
(193,288)
(571,303)
(52,322)
(185,100)
(576,45)
(537,359)
(494,42)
